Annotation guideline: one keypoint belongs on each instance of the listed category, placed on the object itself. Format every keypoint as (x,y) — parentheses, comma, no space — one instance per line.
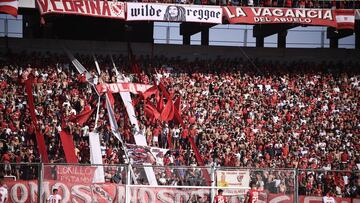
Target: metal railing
(34,182)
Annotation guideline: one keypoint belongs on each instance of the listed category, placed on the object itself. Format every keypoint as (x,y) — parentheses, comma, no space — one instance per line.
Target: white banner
(95,157)
(96,8)
(173,13)
(233,178)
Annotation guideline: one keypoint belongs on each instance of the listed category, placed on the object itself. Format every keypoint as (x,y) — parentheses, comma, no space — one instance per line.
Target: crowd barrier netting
(129,184)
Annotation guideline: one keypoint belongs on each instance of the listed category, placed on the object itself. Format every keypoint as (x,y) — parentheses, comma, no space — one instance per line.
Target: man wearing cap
(220,198)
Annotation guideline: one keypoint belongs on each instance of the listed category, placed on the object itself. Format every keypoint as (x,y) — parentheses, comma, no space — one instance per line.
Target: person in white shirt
(3,192)
(328,198)
(54,197)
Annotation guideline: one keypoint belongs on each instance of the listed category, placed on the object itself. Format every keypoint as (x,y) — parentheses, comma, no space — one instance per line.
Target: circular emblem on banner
(117,9)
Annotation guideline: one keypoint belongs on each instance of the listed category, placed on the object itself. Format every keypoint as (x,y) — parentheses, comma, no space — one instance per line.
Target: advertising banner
(233,178)
(173,13)
(341,19)
(96,8)
(314,199)
(134,88)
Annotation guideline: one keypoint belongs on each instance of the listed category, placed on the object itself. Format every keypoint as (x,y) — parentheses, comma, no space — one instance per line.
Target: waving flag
(9,7)
(345,19)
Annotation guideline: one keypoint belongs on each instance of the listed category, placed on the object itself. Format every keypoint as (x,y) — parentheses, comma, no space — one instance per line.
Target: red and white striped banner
(134,88)
(9,7)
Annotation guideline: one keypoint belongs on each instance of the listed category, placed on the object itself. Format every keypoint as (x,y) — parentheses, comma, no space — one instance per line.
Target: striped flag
(9,7)
(345,19)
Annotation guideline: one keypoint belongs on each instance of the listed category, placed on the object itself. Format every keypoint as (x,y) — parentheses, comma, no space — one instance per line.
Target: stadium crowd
(264,114)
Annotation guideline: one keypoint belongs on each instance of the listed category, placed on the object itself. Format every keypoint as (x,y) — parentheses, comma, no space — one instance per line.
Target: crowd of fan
(240,114)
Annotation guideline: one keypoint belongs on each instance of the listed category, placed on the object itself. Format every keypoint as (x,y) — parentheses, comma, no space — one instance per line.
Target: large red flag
(151,111)
(167,114)
(83,116)
(152,90)
(68,147)
(39,137)
(177,105)
(9,7)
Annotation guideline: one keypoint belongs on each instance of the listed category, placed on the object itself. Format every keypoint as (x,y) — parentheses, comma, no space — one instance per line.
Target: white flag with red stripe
(345,19)
(9,7)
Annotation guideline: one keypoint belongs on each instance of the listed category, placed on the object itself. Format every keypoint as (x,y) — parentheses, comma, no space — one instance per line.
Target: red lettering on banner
(113,87)
(95,7)
(68,5)
(105,9)
(78,6)
(87,8)
(125,86)
(132,88)
(43,4)
(121,87)
(75,174)
(53,3)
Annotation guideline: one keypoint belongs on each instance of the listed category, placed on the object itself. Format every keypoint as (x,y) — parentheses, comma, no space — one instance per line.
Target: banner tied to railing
(174,13)
(134,11)
(27,191)
(96,8)
(341,19)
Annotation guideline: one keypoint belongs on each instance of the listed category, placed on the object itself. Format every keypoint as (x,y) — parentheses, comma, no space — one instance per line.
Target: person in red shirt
(220,198)
(252,195)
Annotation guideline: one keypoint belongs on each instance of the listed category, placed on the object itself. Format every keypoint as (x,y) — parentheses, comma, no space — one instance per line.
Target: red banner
(68,147)
(314,199)
(341,19)
(39,137)
(134,88)
(75,174)
(96,8)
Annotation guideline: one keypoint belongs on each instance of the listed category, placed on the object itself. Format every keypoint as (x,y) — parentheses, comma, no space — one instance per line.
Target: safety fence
(32,182)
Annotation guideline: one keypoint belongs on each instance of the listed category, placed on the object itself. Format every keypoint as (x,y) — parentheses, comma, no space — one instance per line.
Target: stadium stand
(263,115)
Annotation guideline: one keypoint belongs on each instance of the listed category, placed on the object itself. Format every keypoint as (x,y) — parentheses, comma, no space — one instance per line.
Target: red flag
(345,19)
(152,90)
(177,105)
(68,147)
(151,111)
(39,137)
(83,116)
(9,7)
(167,114)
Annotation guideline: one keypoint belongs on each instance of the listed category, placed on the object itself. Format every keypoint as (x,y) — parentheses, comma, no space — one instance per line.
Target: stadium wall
(185,51)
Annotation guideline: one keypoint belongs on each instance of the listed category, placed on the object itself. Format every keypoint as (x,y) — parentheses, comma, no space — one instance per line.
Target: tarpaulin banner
(173,13)
(314,199)
(263,15)
(75,174)
(96,8)
(233,178)
(134,88)
(27,191)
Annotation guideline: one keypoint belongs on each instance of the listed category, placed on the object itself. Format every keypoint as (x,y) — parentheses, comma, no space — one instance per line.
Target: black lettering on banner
(145,11)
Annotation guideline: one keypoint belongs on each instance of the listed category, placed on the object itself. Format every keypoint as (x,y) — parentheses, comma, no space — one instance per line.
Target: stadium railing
(129,183)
